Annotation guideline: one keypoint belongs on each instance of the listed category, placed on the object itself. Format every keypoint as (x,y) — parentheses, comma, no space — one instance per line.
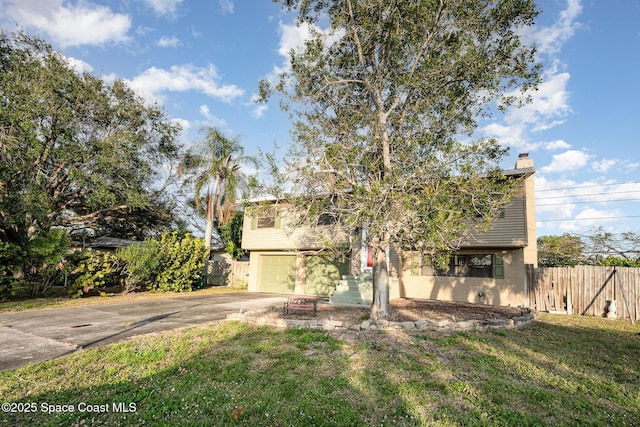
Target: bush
(46,264)
(183,259)
(142,264)
(172,264)
(11,258)
(97,272)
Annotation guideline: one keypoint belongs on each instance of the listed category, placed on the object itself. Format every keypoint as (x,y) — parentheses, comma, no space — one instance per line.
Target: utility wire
(589,219)
(587,195)
(587,186)
(588,201)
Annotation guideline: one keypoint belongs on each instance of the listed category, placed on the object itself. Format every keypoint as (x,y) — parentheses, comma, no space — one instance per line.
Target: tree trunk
(380,309)
(209,231)
(212,201)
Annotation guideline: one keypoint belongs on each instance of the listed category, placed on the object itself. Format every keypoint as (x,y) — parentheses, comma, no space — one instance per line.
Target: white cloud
(590,217)
(549,105)
(66,24)
(603,165)
(79,65)
(164,7)
(293,37)
(226,6)
(259,111)
(509,136)
(551,39)
(215,121)
(568,206)
(166,41)
(154,82)
(630,166)
(185,124)
(570,160)
(549,102)
(70,24)
(557,145)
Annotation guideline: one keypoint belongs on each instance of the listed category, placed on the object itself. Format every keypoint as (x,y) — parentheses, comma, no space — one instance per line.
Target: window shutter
(278,221)
(415,264)
(498,267)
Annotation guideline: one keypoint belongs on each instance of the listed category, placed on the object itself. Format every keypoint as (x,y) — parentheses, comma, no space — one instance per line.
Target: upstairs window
(266,219)
(327,219)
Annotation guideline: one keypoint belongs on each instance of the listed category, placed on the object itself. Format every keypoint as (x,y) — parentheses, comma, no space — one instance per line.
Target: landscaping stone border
(260,318)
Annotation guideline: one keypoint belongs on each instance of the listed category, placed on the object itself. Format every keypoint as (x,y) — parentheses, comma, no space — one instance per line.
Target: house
(489,268)
(103,243)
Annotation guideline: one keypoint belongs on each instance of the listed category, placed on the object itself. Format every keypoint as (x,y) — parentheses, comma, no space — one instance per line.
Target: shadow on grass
(218,375)
(232,374)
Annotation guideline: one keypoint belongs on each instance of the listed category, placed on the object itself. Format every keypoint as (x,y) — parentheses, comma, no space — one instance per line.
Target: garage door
(322,275)
(277,273)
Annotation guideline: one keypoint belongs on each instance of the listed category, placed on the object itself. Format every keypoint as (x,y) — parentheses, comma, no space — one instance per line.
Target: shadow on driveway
(38,335)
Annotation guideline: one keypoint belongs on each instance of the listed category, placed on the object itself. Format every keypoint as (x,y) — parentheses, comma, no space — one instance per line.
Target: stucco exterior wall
(509,291)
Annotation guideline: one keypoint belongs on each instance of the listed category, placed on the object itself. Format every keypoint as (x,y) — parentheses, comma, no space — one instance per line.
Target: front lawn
(560,370)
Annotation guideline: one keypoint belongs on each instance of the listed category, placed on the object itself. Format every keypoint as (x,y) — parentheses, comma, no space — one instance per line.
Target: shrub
(142,264)
(46,264)
(97,272)
(182,266)
(11,257)
(172,264)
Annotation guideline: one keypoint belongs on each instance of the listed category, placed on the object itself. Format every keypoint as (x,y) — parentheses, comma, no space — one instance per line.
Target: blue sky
(202,60)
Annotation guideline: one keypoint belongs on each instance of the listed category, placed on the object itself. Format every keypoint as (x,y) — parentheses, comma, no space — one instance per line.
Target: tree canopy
(560,251)
(214,166)
(76,151)
(385,103)
(597,247)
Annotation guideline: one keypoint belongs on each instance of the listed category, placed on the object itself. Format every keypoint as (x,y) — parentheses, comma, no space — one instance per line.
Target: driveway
(37,335)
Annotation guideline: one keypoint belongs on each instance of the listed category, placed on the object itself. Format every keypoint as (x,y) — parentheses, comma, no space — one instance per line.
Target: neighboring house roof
(106,242)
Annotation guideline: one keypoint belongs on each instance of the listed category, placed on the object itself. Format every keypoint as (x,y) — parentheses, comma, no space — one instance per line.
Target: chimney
(524,161)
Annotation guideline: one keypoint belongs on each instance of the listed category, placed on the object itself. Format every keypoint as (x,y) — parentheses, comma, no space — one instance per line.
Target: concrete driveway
(38,335)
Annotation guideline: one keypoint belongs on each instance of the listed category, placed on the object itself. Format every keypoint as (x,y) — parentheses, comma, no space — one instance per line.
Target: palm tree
(214,165)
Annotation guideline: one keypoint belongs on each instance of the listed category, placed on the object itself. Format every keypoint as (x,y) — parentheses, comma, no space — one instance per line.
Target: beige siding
(287,238)
(507,291)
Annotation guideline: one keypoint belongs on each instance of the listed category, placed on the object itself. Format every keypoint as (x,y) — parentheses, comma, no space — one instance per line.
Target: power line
(587,186)
(589,219)
(586,195)
(588,201)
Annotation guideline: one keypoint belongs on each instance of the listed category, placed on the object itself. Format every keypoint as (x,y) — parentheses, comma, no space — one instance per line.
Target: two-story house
(489,268)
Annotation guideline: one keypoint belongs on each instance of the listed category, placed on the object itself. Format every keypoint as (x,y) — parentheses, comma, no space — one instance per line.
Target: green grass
(52,302)
(560,370)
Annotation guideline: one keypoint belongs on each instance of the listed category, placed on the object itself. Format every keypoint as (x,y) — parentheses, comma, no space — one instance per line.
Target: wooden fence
(221,272)
(585,289)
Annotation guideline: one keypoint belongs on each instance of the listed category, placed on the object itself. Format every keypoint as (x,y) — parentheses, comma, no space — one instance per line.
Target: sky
(202,60)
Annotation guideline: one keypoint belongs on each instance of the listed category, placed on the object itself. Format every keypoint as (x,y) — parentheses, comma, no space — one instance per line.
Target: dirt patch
(405,310)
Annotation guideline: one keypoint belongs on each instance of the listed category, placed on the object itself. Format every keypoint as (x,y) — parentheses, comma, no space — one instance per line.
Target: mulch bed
(410,310)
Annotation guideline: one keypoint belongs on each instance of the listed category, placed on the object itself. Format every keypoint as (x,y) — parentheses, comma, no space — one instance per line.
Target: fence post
(624,298)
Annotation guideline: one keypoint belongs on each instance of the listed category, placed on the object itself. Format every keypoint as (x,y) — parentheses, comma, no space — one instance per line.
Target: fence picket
(580,289)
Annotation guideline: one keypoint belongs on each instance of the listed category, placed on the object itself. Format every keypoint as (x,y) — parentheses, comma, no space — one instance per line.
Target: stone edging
(258,318)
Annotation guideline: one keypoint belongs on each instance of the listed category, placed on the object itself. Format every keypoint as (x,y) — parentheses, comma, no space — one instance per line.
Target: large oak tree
(75,150)
(385,103)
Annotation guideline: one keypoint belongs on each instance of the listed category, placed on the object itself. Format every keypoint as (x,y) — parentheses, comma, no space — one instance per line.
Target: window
(327,219)
(267,219)
(472,265)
